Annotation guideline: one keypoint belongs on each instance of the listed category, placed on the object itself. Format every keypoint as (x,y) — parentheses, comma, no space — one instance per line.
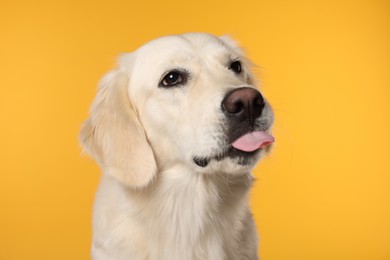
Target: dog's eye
(236,66)
(173,78)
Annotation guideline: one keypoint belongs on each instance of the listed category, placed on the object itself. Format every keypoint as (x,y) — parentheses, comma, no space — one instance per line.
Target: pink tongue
(253,141)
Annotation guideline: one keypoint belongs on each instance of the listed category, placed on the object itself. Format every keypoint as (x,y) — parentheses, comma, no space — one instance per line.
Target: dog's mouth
(253,141)
(243,148)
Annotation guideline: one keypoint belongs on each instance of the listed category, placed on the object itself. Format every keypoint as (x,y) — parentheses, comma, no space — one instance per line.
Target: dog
(176,129)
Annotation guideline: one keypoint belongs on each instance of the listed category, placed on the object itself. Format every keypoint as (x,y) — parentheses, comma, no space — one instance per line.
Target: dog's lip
(230,152)
(201,161)
(234,152)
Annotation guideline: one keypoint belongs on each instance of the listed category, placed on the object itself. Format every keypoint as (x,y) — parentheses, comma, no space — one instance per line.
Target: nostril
(258,102)
(238,107)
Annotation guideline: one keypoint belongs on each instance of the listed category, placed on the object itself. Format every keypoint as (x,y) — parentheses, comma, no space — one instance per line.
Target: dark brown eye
(173,78)
(236,66)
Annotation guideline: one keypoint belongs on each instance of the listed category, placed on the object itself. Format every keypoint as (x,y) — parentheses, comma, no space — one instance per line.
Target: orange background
(323,194)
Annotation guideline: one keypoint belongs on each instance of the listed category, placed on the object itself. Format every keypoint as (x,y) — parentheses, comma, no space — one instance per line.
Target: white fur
(154,202)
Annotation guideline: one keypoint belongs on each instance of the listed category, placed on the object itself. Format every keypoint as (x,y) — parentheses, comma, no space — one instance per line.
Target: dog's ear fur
(114,136)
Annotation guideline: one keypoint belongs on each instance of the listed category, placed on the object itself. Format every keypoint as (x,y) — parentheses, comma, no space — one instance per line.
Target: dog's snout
(245,102)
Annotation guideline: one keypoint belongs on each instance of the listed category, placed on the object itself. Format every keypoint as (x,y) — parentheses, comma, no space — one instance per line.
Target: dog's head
(187,100)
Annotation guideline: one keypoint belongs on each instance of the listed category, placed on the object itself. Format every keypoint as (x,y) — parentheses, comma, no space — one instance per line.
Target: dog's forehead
(186,47)
(192,52)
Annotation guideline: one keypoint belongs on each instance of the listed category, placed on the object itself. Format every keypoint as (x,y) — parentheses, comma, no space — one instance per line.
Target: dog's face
(194,99)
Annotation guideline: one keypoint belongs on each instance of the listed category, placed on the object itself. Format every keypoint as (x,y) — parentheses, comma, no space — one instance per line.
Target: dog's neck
(190,206)
(182,184)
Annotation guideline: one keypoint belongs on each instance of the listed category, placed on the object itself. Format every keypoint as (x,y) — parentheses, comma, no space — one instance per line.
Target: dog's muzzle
(246,134)
(243,106)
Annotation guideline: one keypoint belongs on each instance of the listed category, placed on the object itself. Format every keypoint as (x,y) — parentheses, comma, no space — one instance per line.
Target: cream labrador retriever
(176,129)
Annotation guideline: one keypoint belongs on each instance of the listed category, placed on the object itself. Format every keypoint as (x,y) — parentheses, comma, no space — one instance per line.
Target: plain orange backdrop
(324,192)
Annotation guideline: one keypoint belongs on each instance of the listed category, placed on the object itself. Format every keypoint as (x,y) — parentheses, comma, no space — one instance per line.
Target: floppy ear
(114,136)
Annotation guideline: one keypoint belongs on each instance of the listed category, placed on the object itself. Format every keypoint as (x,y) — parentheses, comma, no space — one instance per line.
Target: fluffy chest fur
(191,217)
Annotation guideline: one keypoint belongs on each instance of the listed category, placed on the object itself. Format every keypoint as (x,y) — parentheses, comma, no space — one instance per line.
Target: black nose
(244,103)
